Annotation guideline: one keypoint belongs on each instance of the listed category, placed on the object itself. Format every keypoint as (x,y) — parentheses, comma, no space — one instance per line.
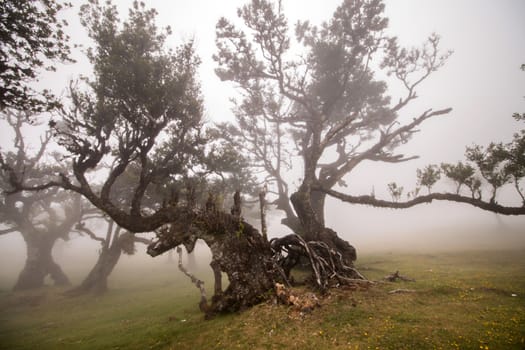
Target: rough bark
(238,250)
(254,265)
(39,263)
(314,230)
(318,200)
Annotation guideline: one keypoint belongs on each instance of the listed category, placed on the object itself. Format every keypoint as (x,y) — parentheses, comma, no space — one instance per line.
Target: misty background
(481,81)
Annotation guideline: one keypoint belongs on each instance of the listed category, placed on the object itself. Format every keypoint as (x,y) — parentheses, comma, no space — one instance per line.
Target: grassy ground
(472,300)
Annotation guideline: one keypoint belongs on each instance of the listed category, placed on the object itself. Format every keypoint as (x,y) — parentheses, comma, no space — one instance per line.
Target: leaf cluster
(497,164)
(32,37)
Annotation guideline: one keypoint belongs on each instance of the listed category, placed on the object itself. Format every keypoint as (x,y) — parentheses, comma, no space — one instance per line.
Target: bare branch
(142,240)
(9,230)
(375,152)
(203,304)
(369,200)
(81,228)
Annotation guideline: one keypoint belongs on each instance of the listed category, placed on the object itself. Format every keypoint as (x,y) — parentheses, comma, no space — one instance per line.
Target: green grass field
(471,300)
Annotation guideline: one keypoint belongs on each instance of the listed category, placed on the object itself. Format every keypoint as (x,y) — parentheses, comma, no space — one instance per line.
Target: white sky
(482,82)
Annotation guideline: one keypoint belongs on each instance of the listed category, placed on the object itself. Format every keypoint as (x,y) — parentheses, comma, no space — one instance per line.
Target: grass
(462,301)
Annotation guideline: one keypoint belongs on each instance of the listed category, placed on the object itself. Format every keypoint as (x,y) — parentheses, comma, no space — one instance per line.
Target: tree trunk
(252,263)
(238,250)
(317,199)
(314,229)
(246,259)
(96,281)
(39,263)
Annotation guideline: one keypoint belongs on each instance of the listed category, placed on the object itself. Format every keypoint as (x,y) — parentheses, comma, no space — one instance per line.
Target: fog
(481,81)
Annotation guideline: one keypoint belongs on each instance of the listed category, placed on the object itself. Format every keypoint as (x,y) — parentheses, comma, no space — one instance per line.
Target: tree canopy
(33,39)
(139,117)
(316,96)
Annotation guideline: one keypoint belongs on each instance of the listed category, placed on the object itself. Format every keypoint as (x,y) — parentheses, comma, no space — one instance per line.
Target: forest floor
(460,300)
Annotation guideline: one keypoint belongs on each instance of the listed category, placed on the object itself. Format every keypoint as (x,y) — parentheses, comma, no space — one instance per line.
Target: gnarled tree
(327,104)
(143,112)
(113,245)
(40,217)
(142,115)
(316,101)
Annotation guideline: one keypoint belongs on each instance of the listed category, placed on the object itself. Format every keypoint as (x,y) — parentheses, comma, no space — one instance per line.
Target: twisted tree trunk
(238,250)
(254,265)
(313,228)
(39,262)
(96,282)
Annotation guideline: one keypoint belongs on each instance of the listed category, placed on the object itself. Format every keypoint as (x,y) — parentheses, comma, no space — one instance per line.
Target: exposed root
(328,266)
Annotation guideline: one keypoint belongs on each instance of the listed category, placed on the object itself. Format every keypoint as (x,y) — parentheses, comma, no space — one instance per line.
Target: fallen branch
(396,276)
(401,290)
(203,304)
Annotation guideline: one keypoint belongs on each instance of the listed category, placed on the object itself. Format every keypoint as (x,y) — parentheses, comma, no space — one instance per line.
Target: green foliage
(140,90)
(491,164)
(474,184)
(301,99)
(498,164)
(395,191)
(32,37)
(142,113)
(230,166)
(501,163)
(461,174)
(428,176)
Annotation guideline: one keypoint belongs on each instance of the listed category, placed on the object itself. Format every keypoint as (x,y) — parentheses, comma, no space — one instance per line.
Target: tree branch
(369,200)
(83,229)
(385,140)
(9,230)
(142,240)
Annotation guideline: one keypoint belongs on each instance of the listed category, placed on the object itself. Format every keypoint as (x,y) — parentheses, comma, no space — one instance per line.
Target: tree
(498,165)
(327,104)
(461,174)
(40,217)
(428,176)
(32,36)
(113,245)
(328,108)
(395,191)
(142,115)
